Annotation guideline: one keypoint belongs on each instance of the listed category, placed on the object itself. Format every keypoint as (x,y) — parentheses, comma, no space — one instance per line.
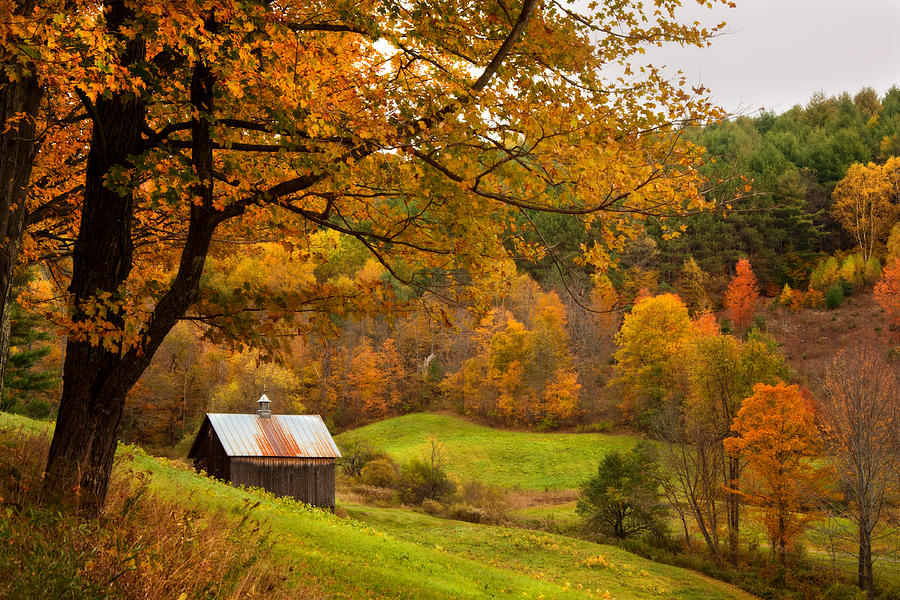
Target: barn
(288,455)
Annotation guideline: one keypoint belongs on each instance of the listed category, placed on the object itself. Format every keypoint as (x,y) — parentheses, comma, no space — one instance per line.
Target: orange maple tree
(776,432)
(742,296)
(887,293)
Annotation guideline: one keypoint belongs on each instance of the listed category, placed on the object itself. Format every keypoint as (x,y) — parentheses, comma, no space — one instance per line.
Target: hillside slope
(400,554)
(533,461)
(810,338)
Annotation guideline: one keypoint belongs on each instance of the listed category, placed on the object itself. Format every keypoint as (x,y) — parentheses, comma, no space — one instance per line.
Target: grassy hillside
(381,553)
(574,565)
(533,461)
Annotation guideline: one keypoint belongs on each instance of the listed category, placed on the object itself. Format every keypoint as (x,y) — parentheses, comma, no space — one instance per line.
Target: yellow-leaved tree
(652,356)
(867,202)
(420,129)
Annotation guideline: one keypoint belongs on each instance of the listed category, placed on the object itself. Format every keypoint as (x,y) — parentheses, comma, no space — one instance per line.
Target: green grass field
(532,461)
(572,566)
(393,553)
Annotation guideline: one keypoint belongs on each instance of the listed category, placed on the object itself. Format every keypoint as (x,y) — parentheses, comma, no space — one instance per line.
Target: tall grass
(143,546)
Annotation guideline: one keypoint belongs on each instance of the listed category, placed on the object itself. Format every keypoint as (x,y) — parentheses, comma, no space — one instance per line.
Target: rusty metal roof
(303,436)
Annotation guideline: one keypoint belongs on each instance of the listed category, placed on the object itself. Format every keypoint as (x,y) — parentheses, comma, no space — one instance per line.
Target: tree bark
(19,104)
(90,410)
(865,576)
(97,379)
(733,504)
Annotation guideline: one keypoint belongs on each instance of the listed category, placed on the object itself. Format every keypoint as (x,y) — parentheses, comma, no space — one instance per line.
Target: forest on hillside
(537,347)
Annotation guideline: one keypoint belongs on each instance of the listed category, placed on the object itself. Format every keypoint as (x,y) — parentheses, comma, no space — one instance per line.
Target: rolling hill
(397,553)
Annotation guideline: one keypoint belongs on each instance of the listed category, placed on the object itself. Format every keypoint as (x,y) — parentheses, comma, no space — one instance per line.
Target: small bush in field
(490,499)
(380,472)
(355,456)
(377,496)
(420,481)
(834,297)
(432,507)
(813,299)
(468,513)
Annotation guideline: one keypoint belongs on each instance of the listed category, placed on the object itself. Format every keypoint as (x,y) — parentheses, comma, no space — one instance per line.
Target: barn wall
(209,454)
(309,480)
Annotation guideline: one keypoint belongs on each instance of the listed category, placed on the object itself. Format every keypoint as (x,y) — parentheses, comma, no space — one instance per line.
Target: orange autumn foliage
(742,296)
(522,372)
(887,293)
(367,382)
(777,436)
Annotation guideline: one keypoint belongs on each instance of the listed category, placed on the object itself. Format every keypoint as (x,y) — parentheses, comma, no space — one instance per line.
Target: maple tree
(651,355)
(42,136)
(216,120)
(866,202)
(723,371)
(776,432)
(742,296)
(859,412)
(887,293)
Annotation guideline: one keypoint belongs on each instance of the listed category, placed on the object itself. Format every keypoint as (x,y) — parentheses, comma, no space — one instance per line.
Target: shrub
(872,272)
(490,499)
(432,507)
(468,513)
(825,275)
(759,323)
(834,297)
(623,498)
(810,299)
(379,472)
(374,495)
(843,591)
(355,456)
(420,480)
(786,298)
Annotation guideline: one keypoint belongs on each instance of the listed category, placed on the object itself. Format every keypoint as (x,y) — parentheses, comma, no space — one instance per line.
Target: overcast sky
(777,53)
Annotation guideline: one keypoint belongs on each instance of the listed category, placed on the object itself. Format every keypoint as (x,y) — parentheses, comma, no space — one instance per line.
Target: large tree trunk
(19,104)
(95,379)
(90,409)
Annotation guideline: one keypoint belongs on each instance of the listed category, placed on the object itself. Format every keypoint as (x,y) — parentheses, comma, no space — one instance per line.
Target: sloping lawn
(384,553)
(533,461)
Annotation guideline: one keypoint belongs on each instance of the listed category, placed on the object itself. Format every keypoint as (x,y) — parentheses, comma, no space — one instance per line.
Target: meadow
(509,459)
(377,553)
(544,463)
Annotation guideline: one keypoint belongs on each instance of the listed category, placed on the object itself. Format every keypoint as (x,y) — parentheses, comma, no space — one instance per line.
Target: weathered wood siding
(309,480)
(209,454)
